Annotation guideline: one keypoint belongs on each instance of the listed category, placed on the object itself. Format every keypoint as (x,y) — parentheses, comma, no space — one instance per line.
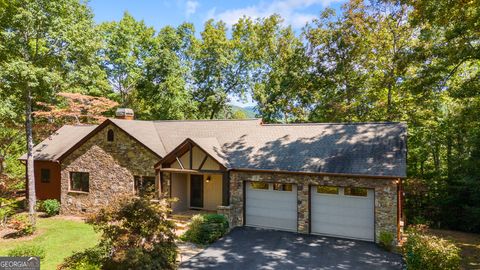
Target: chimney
(124,113)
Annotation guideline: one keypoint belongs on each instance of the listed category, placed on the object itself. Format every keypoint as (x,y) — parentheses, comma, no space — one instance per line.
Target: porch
(195,176)
(196,191)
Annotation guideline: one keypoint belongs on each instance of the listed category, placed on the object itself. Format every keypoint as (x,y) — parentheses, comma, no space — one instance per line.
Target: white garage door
(271,205)
(343,212)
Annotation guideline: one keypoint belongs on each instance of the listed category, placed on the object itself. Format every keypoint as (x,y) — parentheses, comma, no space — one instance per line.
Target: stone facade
(111,167)
(385,196)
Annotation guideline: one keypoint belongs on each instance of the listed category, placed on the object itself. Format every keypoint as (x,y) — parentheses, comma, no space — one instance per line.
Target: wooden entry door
(196,191)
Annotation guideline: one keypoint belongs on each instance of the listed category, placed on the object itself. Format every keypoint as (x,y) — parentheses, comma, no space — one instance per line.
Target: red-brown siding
(49,190)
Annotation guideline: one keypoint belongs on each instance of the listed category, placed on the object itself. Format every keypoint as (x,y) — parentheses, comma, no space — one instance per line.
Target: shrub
(39,205)
(385,240)
(427,252)
(51,207)
(27,251)
(7,209)
(89,259)
(22,225)
(206,229)
(135,234)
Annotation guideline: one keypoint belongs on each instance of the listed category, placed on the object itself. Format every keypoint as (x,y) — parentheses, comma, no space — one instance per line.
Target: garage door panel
(272,222)
(343,216)
(271,201)
(272,212)
(271,208)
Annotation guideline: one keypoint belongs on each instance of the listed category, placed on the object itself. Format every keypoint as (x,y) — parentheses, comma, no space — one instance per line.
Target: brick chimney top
(124,113)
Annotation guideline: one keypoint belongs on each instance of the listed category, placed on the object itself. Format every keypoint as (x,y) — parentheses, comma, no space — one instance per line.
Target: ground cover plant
(206,229)
(58,237)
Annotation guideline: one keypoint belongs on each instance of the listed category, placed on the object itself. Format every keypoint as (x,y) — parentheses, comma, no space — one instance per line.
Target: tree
(11,143)
(46,46)
(340,52)
(277,67)
(218,71)
(163,92)
(136,233)
(70,109)
(125,44)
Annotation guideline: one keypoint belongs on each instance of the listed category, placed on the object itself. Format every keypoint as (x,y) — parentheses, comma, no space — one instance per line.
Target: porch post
(225,189)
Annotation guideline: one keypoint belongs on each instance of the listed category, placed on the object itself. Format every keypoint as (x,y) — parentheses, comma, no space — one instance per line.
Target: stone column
(236,199)
(227,212)
(302,208)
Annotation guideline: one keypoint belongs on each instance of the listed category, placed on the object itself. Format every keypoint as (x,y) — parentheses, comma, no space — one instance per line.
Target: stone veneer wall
(111,165)
(385,196)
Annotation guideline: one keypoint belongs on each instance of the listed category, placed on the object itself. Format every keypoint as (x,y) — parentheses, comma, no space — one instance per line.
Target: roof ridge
(210,120)
(332,123)
(80,125)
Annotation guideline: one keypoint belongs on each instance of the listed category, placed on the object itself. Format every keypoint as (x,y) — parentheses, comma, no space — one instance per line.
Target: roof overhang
(183,148)
(318,173)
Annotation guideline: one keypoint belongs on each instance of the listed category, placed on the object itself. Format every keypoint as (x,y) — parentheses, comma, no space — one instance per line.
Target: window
(327,190)
(282,187)
(259,185)
(79,181)
(110,135)
(353,191)
(144,185)
(45,175)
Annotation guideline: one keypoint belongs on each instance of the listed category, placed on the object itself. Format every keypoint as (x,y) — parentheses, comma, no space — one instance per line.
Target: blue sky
(158,13)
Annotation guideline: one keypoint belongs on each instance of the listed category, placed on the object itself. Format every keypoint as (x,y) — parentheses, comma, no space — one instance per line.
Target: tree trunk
(389,104)
(30,166)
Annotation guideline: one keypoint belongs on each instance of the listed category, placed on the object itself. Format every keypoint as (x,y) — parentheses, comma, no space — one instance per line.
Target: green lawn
(59,237)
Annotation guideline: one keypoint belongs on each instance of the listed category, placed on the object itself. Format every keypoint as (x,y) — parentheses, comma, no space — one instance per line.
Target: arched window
(110,135)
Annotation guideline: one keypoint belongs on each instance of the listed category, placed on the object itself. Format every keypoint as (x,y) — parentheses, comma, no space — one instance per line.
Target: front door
(196,191)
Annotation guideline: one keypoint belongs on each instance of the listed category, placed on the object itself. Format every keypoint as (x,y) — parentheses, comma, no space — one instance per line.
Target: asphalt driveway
(251,248)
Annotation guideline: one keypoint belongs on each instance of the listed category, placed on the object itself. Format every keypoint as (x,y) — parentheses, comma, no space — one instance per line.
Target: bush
(89,259)
(136,234)
(28,251)
(22,225)
(51,207)
(427,252)
(206,229)
(385,240)
(7,209)
(39,205)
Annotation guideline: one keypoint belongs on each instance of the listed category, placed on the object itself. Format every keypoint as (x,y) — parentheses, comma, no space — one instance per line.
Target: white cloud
(292,11)
(191,7)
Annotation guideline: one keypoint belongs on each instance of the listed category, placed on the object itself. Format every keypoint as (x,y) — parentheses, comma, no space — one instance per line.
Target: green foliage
(22,225)
(7,209)
(125,44)
(51,207)
(410,61)
(422,251)
(385,240)
(239,115)
(59,237)
(136,233)
(28,250)
(206,229)
(89,259)
(162,91)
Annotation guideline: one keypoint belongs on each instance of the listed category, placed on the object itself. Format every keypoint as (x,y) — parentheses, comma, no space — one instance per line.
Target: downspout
(399,210)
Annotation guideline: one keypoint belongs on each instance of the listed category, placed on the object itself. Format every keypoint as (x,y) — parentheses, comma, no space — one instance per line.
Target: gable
(126,151)
(103,129)
(190,156)
(200,161)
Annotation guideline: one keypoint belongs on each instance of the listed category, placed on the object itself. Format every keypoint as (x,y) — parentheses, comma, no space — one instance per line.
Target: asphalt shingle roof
(59,142)
(377,149)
